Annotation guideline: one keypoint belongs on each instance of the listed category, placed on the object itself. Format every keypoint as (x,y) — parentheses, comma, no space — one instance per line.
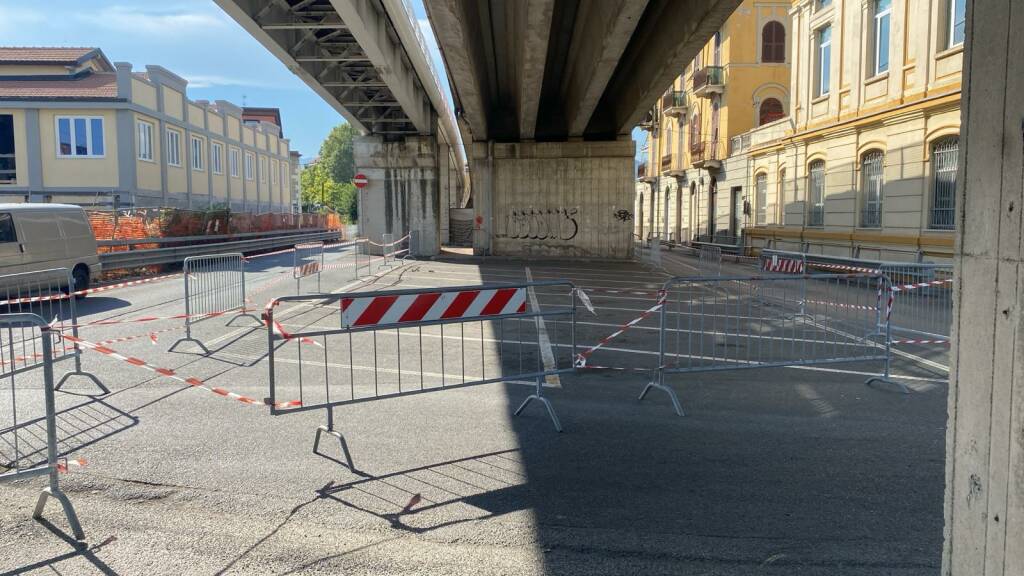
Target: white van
(36,237)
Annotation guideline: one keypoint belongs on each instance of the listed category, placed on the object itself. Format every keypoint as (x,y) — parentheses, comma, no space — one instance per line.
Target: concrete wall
(985,434)
(401,196)
(556,199)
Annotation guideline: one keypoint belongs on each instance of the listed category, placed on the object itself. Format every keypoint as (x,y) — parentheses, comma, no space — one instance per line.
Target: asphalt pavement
(802,471)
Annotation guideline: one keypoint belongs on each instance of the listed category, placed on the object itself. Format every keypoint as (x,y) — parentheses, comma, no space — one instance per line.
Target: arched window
(761,187)
(816,192)
(695,136)
(771,110)
(871,178)
(773,42)
(944,167)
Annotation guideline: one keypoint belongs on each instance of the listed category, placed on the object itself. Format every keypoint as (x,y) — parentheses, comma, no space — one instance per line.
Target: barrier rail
(214,286)
(26,342)
(924,302)
(743,322)
(710,260)
(422,340)
(307,260)
(48,294)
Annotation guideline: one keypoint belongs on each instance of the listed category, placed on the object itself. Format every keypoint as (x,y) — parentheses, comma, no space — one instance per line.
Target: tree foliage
(320,190)
(336,153)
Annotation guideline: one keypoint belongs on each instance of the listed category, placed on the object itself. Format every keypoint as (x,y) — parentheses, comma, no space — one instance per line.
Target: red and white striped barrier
(843,267)
(783,265)
(168,373)
(426,306)
(581,358)
(916,285)
(309,269)
(920,342)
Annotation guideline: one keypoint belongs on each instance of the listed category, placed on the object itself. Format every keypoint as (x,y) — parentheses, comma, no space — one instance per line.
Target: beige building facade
(76,128)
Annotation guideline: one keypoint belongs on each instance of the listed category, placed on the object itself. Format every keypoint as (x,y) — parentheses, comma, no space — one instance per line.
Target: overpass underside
(547,93)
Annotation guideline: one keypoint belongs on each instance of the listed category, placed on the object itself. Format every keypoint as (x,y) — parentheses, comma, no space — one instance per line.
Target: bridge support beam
(553,199)
(402,194)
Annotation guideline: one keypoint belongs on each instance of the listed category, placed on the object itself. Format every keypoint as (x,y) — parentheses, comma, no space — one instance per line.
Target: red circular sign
(360,180)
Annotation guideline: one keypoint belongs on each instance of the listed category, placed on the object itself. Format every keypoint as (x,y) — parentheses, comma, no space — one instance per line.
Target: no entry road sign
(360,180)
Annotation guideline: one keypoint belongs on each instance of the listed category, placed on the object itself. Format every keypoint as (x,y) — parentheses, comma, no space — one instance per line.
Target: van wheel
(80,275)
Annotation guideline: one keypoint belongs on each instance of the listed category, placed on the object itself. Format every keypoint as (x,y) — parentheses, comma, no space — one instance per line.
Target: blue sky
(192,38)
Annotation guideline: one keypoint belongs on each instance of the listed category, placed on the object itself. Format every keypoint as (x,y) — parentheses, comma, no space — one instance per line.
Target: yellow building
(76,128)
(738,81)
(866,164)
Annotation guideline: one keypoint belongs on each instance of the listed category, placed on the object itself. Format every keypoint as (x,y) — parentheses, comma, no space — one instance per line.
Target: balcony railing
(738,144)
(641,171)
(871,217)
(708,80)
(666,162)
(705,154)
(816,216)
(673,103)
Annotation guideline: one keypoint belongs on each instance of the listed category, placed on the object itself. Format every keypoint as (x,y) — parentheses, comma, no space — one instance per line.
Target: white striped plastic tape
(786,265)
(381,310)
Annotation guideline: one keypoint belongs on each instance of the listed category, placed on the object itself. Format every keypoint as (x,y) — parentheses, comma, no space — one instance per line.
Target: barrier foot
(69,510)
(671,395)
(186,339)
(884,380)
(103,389)
(547,404)
(246,315)
(344,446)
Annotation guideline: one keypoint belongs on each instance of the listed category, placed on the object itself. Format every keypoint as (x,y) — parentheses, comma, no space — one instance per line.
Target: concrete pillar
(984,508)
(553,199)
(402,190)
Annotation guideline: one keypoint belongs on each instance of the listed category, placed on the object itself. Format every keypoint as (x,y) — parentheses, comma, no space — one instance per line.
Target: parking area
(789,470)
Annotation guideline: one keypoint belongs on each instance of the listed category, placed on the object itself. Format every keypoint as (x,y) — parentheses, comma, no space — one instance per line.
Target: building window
(217,150)
(284,176)
(871,177)
(824,4)
(249,160)
(197,153)
(823,66)
(771,110)
(273,172)
(761,188)
(233,161)
(145,130)
(695,142)
(80,137)
(8,165)
(944,167)
(816,189)
(263,169)
(173,147)
(773,42)
(883,17)
(718,48)
(957,16)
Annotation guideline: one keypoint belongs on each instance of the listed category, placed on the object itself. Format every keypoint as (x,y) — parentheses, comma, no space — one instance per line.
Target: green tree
(319,189)
(336,153)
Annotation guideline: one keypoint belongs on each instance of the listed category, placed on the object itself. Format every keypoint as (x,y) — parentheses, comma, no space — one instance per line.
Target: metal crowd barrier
(26,342)
(744,322)
(214,286)
(47,293)
(307,260)
(710,260)
(923,311)
(423,340)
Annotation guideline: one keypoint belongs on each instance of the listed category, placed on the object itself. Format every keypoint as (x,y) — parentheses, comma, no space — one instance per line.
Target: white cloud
(146,21)
(214,80)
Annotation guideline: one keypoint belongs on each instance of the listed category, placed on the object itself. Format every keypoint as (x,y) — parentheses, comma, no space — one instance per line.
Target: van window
(39,226)
(74,226)
(7,233)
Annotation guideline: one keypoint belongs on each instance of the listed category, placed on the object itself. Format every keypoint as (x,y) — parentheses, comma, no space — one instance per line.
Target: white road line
(546,353)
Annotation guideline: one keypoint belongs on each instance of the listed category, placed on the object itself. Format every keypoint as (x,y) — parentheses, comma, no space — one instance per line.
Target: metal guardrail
(154,256)
(129,242)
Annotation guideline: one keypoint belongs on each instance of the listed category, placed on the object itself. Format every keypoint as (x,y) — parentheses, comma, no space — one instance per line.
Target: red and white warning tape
(838,305)
(581,359)
(916,285)
(65,463)
(63,296)
(919,342)
(142,319)
(843,267)
(402,239)
(280,331)
(168,373)
(151,335)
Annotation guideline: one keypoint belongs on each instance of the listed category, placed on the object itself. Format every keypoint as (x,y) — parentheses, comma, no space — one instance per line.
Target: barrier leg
(242,315)
(79,372)
(329,429)
(539,396)
(657,382)
(69,510)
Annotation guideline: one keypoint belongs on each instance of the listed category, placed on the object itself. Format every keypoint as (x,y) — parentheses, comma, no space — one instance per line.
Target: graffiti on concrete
(542,224)
(623,215)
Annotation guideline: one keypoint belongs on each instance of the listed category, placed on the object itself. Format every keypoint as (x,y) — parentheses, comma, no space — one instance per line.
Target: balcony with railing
(650,121)
(666,162)
(642,173)
(673,103)
(705,154)
(708,80)
(816,216)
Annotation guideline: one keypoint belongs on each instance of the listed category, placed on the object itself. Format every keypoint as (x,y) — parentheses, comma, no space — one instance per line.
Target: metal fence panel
(744,322)
(26,340)
(710,261)
(46,293)
(214,286)
(923,296)
(307,260)
(336,349)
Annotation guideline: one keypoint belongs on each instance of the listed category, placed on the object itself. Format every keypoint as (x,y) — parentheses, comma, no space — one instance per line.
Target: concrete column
(984,507)
(481,167)
(401,194)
